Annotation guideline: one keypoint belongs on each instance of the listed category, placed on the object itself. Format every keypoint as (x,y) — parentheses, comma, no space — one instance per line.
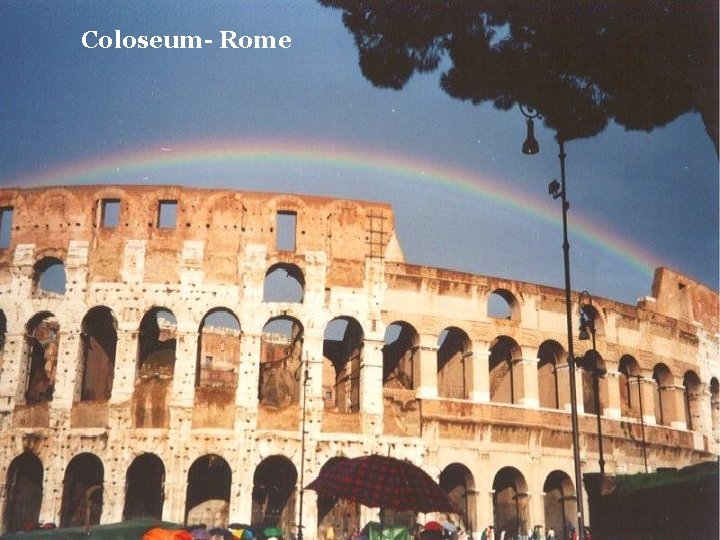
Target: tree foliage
(579,64)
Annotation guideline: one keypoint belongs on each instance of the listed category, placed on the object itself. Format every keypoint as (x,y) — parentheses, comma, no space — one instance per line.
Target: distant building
(154,342)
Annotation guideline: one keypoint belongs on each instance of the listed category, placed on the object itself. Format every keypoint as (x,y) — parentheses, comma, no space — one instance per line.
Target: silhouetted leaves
(580,64)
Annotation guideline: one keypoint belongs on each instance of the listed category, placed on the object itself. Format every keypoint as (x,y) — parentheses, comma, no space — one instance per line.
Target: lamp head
(554,188)
(530,146)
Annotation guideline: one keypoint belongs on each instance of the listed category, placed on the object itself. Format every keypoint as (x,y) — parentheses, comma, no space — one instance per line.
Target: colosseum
(198,355)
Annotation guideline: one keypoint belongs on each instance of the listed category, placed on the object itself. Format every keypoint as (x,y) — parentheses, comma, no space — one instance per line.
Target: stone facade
(163,347)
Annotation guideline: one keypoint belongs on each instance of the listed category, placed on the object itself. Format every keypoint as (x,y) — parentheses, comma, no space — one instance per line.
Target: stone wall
(374,355)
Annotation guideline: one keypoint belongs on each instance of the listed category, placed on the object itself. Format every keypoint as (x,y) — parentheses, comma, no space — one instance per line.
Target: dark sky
(464,196)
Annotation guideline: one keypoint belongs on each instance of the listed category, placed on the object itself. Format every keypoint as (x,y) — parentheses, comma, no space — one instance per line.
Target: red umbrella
(384,482)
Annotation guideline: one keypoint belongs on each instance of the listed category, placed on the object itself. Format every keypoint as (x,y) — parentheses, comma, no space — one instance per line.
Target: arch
(273,494)
(41,351)
(453,370)
(144,487)
(504,351)
(24,488)
(663,394)
(156,367)
(49,276)
(340,515)
(693,398)
(342,349)
(715,408)
(593,371)
(560,503)
(549,355)
(284,282)
(458,482)
(510,512)
(281,351)
(502,304)
(208,491)
(157,343)
(629,371)
(98,341)
(218,351)
(400,351)
(82,499)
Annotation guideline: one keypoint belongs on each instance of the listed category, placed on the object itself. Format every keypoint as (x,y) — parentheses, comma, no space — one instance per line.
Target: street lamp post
(587,330)
(305,378)
(558,191)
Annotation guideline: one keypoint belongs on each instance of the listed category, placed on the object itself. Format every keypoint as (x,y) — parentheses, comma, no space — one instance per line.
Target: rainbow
(181,162)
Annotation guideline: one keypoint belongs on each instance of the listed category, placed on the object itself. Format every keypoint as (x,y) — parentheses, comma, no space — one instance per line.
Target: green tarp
(132,529)
(372,530)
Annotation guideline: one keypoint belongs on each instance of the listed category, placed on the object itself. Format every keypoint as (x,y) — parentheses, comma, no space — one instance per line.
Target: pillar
(427,387)
(480,375)
(527,373)
(613,406)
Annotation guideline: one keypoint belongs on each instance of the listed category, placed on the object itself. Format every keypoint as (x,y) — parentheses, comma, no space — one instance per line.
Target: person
(537,533)
(488,533)
(550,534)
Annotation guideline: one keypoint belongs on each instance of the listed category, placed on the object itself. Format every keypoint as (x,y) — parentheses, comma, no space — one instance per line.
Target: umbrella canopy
(384,482)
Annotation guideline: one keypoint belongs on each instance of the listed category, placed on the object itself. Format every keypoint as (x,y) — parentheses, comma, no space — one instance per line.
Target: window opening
(286,229)
(167,214)
(50,276)
(6,218)
(284,283)
(110,213)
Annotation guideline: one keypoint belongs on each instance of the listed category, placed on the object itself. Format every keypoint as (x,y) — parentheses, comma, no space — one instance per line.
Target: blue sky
(61,103)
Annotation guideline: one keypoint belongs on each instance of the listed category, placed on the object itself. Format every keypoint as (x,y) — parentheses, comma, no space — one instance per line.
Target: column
(13,372)
(613,407)
(480,381)
(527,373)
(427,387)
(371,401)
(647,390)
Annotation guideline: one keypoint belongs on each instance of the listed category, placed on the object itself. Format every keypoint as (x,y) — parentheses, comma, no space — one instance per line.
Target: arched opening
(284,283)
(505,387)
(208,491)
(502,304)
(281,351)
(273,494)
(156,367)
(41,346)
(400,351)
(663,397)
(340,516)
(629,371)
(342,350)
(216,369)
(593,371)
(560,503)
(693,397)
(549,356)
(157,343)
(49,276)
(454,364)
(510,502)
(457,481)
(82,500)
(24,488)
(144,487)
(98,340)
